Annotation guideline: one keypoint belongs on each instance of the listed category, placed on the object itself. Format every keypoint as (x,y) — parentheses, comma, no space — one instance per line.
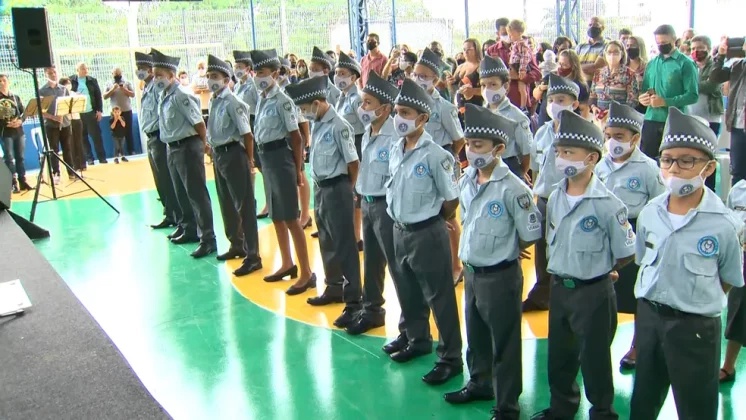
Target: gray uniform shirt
(149,109)
(332,93)
(374,162)
(549,176)
(421,180)
(585,241)
(332,148)
(229,119)
(276,116)
(56,92)
(347,106)
(178,112)
(119,98)
(522,139)
(683,268)
(635,182)
(443,125)
(495,215)
(246,91)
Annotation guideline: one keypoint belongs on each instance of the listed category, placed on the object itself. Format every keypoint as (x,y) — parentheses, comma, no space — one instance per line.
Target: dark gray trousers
(91,128)
(582,324)
(236,198)
(492,307)
(378,250)
(540,292)
(339,254)
(423,263)
(186,163)
(677,350)
(158,158)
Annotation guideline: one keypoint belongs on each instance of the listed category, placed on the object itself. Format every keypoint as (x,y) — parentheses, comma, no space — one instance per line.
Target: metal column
(466,17)
(358,21)
(393,23)
(568,19)
(253,24)
(692,8)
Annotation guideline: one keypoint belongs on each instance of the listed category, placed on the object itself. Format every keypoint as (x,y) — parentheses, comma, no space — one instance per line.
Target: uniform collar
(272,91)
(330,113)
(504,104)
(223,93)
(435,95)
(500,172)
(386,128)
(595,188)
(421,142)
(353,89)
(710,203)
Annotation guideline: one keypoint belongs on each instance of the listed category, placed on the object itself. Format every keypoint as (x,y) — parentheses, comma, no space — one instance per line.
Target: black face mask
(372,45)
(633,53)
(665,49)
(594,32)
(118,78)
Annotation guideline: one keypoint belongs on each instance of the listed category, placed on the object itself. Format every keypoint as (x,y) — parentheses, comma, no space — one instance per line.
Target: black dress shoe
(466,395)
(163,224)
(23,185)
(232,254)
(544,415)
(308,223)
(364,324)
(398,344)
(185,239)
(176,233)
(262,216)
(627,363)
(293,290)
(332,294)
(441,373)
(315,234)
(408,353)
(248,267)
(292,272)
(359,246)
(204,250)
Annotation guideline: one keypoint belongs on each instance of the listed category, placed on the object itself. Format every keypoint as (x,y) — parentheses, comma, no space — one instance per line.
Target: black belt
(491,269)
(154,134)
(412,227)
(573,283)
(373,198)
(666,310)
(272,145)
(178,143)
(331,181)
(226,147)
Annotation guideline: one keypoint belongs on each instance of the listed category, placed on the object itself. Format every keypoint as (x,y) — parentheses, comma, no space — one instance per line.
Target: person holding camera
(730,67)
(120,93)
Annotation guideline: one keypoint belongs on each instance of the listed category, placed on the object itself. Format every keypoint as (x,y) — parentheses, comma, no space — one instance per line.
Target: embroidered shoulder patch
(287,106)
(621,217)
(447,165)
(524,201)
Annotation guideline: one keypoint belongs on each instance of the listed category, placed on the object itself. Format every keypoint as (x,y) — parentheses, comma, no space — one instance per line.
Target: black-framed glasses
(686,162)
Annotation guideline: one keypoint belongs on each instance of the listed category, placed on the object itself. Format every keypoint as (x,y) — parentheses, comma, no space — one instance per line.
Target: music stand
(48,153)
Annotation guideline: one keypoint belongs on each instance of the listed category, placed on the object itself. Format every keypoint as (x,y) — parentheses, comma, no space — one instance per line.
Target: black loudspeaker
(31,33)
(5,184)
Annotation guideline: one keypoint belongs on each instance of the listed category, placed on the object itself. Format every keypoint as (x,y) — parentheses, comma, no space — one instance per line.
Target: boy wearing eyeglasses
(688,247)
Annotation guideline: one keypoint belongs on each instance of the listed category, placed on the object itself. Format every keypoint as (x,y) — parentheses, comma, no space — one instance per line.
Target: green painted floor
(205,352)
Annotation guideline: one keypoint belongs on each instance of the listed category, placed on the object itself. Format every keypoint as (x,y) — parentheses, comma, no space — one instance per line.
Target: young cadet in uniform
(445,129)
(322,65)
(561,95)
(735,327)
(282,166)
(494,77)
(500,221)
(334,169)
(689,251)
(157,151)
(182,128)
(229,135)
(421,195)
(378,237)
(246,91)
(635,179)
(588,238)
(346,75)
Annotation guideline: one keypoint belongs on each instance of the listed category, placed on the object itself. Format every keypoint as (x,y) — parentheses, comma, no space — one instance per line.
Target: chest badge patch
(382,155)
(708,246)
(420,170)
(494,209)
(634,183)
(327,137)
(588,223)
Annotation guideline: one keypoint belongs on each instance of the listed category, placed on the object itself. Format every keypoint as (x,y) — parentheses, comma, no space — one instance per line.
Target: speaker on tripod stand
(34,51)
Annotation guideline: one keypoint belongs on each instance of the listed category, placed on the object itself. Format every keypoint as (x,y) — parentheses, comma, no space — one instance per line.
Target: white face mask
(315,73)
(367,117)
(239,74)
(425,84)
(479,160)
(264,83)
(494,96)
(142,74)
(342,82)
(403,65)
(160,83)
(569,168)
(505,38)
(311,115)
(554,110)
(679,187)
(404,126)
(617,148)
(215,85)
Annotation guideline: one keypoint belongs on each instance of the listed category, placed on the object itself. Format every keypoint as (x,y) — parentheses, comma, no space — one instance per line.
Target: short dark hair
(3,75)
(699,38)
(501,22)
(625,31)
(64,81)
(409,56)
(665,30)
(374,36)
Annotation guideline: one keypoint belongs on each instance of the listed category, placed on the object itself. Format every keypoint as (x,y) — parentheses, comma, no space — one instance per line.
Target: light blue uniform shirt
(276,116)
(443,125)
(374,162)
(246,91)
(178,112)
(683,268)
(333,93)
(635,182)
(495,216)
(549,176)
(737,200)
(585,241)
(149,109)
(347,106)
(523,139)
(421,180)
(229,119)
(332,147)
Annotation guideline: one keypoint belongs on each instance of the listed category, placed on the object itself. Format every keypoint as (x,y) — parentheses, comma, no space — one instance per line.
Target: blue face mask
(480,160)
